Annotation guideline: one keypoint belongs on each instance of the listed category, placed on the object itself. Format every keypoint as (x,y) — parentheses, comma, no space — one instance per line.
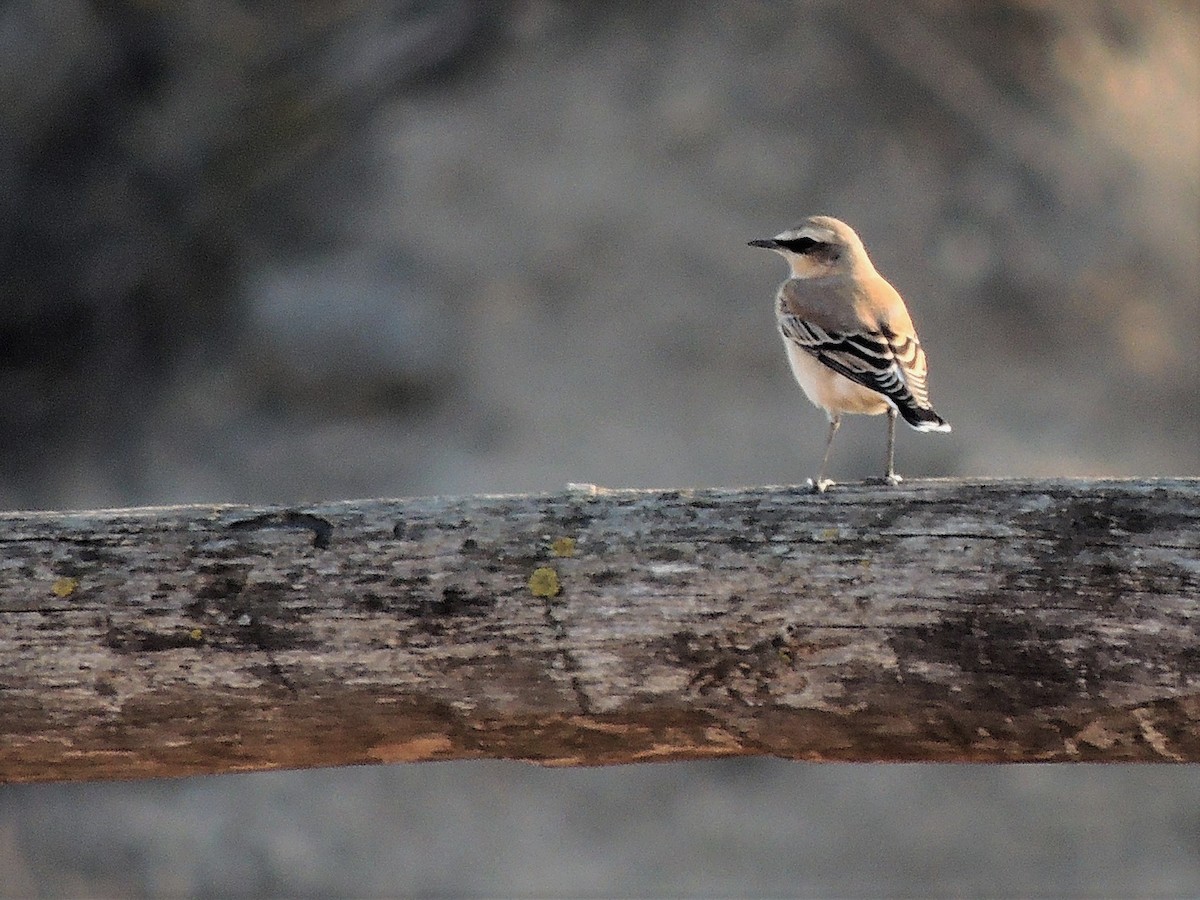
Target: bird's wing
(864,348)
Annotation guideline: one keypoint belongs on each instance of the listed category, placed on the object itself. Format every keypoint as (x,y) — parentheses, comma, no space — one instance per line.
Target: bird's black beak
(769,243)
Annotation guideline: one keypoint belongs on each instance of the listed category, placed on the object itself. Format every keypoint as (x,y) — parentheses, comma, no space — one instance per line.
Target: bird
(849,338)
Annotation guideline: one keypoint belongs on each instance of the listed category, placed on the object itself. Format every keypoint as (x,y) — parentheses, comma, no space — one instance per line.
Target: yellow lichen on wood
(65,587)
(563,546)
(544,582)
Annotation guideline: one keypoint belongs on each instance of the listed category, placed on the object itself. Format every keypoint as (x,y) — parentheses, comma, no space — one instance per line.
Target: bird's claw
(819,485)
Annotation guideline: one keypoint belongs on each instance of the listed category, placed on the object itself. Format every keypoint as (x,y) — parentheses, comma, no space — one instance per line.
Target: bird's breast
(833,392)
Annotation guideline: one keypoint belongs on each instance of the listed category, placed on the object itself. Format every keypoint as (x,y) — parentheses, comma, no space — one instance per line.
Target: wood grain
(939,620)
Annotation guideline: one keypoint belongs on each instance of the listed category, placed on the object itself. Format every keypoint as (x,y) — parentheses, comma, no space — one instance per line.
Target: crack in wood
(321,528)
(564,652)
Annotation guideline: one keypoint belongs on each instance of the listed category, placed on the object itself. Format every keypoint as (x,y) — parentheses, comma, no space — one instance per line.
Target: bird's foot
(819,485)
(891,479)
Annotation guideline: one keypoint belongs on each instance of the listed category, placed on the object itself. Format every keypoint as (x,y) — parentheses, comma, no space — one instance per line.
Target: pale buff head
(820,246)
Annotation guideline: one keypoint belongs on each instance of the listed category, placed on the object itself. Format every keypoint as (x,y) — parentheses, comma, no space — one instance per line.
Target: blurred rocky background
(277,251)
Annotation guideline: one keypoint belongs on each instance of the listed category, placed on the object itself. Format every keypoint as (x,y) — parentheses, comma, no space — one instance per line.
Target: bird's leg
(822,482)
(891,477)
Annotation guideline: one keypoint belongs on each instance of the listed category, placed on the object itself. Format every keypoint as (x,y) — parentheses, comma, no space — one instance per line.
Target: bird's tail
(922,418)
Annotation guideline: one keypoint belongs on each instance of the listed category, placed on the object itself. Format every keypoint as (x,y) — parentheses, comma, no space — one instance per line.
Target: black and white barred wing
(883,361)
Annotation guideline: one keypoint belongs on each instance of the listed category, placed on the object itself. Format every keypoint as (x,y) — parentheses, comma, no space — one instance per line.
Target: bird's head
(820,245)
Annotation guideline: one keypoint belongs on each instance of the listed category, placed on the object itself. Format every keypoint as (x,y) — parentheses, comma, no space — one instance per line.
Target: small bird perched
(849,338)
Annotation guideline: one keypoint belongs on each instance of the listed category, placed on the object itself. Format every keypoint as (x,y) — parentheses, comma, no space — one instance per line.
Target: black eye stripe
(803,245)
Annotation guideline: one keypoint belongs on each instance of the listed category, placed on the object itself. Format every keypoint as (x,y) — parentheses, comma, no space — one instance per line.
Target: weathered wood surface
(938,620)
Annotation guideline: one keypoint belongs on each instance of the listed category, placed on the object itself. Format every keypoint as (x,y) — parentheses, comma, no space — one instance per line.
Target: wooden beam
(939,620)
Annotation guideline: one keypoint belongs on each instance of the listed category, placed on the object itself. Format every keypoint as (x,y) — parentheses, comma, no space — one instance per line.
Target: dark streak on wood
(1001,621)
